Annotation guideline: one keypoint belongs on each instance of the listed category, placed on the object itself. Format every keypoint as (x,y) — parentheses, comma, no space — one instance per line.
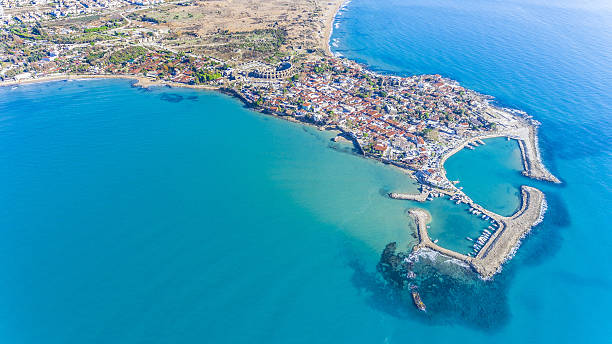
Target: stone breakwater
(527,138)
(504,241)
(420,197)
(533,167)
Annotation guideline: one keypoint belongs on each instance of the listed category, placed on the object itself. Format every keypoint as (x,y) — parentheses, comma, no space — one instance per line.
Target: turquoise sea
(179,216)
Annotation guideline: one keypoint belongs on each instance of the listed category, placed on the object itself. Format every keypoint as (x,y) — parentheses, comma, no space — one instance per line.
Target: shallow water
(174,215)
(452,223)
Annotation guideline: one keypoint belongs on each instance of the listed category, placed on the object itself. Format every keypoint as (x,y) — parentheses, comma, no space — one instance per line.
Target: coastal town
(413,122)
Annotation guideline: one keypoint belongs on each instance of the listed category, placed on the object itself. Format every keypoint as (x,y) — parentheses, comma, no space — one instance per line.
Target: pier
(420,197)
(503,242)
(527,139)
(421,218)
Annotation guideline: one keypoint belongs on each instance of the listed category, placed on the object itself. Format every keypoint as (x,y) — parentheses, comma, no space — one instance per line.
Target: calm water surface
(165,216)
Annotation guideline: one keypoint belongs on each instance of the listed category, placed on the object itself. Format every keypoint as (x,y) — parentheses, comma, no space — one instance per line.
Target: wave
(435,256)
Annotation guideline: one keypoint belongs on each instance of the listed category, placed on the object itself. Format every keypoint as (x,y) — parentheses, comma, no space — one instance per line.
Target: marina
(492,248)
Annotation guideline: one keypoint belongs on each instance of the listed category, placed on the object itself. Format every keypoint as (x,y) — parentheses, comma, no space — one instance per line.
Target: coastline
(495,252)
(329,27)
(141,81)
(506,240)
(526,136)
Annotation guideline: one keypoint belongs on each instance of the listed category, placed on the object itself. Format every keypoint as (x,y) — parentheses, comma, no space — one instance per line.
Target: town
(411,122)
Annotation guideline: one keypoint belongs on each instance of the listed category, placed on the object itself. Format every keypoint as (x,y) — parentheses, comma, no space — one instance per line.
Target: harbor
(498,242)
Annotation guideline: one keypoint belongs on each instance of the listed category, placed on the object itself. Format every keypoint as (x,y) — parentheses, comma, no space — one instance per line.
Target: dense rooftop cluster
(409,121)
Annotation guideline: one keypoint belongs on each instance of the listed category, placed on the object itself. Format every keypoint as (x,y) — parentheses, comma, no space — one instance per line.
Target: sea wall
(527,138)
(420,197)
(504,241)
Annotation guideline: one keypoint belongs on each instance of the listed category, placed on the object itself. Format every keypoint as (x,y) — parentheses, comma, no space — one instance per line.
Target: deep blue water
(553,61)
(178,216)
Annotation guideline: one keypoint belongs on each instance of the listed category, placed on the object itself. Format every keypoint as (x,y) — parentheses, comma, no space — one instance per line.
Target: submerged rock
(394,267)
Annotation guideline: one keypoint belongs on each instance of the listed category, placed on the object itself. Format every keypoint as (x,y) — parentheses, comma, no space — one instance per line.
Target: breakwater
(420,197)
(527,139)
(503,242)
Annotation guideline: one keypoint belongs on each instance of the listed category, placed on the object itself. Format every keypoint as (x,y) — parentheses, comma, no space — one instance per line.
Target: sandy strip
(329,24)
(140,80)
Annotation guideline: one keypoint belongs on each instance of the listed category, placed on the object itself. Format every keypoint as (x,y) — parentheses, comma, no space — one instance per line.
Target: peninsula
(275,56)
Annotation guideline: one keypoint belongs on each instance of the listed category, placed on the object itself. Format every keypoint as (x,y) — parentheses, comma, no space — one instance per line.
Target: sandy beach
(141,81)
(330,16)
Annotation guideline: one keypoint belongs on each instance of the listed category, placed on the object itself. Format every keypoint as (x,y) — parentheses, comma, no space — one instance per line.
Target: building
(282,71)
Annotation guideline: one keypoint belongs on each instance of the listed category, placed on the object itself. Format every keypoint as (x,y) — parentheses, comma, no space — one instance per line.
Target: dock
(527,139)
(420,197)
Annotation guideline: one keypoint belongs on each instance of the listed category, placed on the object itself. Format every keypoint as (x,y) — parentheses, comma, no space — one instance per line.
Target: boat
(417,300)
(470,239)
(435,241)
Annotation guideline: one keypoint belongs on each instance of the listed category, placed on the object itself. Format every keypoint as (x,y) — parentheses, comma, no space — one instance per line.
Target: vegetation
(76,39)
(96,29)
(203,76)
(127,54)
(35,33)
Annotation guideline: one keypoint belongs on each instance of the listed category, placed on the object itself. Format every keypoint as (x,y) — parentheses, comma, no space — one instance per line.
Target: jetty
(504,241)
(420,197)
(527,139)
